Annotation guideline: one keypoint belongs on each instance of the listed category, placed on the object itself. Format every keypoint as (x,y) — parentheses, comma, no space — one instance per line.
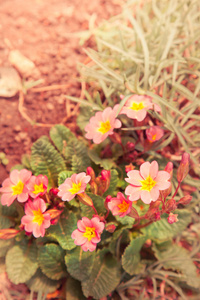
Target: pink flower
(120,205)
(72,186)
(36,219)
(137,105)
(172,218)
(15,187)
(102,125)
(88,233)
(154,133)
(37,185)
(147,182)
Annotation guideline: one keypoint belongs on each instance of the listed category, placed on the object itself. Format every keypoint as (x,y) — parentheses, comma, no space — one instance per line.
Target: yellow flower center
(38,188)
(89,233)
(137,106)
(18,188)
(38,217)
(154,137)
(104,127)
(147,184)
(123,206)
(75,188)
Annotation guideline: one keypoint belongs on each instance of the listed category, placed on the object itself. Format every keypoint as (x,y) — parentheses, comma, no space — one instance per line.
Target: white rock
(10,82)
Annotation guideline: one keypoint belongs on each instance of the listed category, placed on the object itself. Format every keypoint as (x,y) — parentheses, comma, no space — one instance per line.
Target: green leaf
(131,256)
(51,261)
(76,154)
(84,116)
(98,202)
(5,246)
(105,163)
(125,220)
(64,175)
(73,290)
(179,259)
(21,262)
(63,229)
(8,211)
(61,135)
(40,283)
(79,263)
(5,222)
(46,160)
(104,277)
(113,183)
(162,230)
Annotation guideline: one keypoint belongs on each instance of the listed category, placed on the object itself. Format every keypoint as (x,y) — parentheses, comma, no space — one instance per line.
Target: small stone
(50,106)
(10,82)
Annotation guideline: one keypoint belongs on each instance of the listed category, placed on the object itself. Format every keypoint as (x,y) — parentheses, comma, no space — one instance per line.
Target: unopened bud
(171,205)
(129,168)
(85,199)
(8,233)
(110,227)
(133,213)
(91,172)
(148,243)
(105,175)
(130,146)
(183,169)
(116,138)
(54,213)
(54,191)
(185,200)
(169,169)
(172,218)
(108,199)
(94,187)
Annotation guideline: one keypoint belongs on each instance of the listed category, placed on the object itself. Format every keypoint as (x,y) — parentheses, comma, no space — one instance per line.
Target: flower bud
(54,191)
(129,168)
(172,218)
(154,133)
(108,199)
(171,205)
(8,233)
(148,243)
(54,213)
(90,172)
(185,200)
(168,169)
(133,213)
(85,199)
(183,169)
(130,146)
(110,227)
(94,187)
(116,138)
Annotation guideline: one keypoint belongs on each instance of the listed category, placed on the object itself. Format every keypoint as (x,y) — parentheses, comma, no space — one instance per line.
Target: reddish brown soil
(42,31)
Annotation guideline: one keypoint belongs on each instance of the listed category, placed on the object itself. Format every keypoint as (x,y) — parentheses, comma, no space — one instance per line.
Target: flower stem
(176,191)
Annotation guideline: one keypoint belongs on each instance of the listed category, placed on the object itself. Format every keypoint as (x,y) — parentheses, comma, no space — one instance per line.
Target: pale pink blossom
(88,233)
(36,220)
(72,186)
(120,205)
(37,185)
(15,187)
(154,133)
(137,105)
(172,218)
(147,183)
(102,124)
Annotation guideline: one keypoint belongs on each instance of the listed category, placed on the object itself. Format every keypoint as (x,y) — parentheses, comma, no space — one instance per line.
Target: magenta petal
(99,226)
(81,225)
(88,246)
(23,197)
(78,237)
(87,222)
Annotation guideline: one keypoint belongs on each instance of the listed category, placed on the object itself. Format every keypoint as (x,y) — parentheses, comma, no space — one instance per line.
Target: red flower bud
(54,191)
(54,213)
(183,169)
(185,200)
(105,175)
(130,146)
(168,169)
(172,218)
(91,172)
(108,199)
(93,187)
(8,233)
(110,227)
(85,199)
(171,205)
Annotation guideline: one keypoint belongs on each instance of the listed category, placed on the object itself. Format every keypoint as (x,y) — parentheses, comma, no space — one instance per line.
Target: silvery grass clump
(118,215)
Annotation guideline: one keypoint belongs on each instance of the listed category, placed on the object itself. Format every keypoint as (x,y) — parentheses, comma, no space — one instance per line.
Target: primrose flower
(36,220)
(37,185)
(102,125)
(15,187)
(72,186)
(137,105)
(88,233)
(154,133)
(120,205)
(147,182)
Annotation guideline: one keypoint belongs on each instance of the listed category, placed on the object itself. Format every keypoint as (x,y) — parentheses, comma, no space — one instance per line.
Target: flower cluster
(20,186)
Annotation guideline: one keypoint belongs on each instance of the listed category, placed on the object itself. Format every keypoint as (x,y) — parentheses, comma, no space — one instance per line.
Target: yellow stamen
(38,217)
(123,206)
(147,184)
(154,137)
(18,188)
(89,233)
(75,188)
(104,127)
(137,106)
(38,188)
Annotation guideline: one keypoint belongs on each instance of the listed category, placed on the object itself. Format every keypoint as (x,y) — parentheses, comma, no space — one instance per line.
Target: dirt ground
(42,30)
